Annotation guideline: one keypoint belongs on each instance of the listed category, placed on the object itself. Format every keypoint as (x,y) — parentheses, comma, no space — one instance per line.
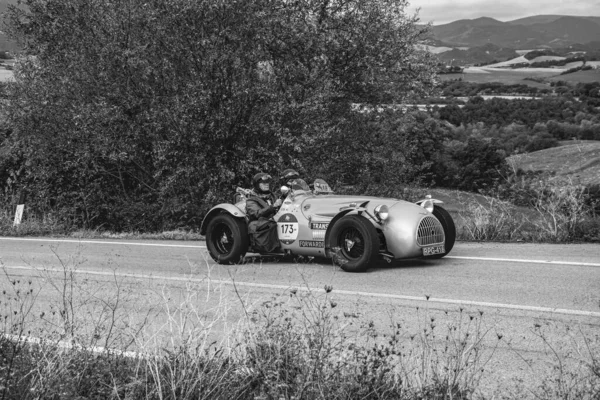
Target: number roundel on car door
(287,228)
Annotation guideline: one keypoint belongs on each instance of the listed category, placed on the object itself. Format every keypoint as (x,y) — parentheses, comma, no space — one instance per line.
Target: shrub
(495,220)
(563,211)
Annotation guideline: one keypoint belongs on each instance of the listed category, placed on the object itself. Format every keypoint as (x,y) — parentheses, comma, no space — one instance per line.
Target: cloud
(444,11)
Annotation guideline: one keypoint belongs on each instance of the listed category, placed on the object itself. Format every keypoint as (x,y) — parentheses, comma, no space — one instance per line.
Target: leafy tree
(140,115)
(480,165)
(383,152)
(503,112)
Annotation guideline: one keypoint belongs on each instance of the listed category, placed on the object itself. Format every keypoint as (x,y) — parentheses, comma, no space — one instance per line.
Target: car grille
(430,232)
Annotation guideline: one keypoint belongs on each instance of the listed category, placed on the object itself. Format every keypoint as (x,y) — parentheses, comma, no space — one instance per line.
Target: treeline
(587,93)
(502,112)
(480,135)
(557,63)
(459,88)
(576,69)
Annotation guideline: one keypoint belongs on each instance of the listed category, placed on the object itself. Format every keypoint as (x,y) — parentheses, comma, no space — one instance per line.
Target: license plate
(430,251)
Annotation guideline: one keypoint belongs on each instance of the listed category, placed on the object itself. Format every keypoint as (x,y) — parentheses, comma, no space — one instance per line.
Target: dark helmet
(289,174)
(262,178)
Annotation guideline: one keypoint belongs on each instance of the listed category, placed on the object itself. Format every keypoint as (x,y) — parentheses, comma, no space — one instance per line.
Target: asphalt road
(519,288)
(546,276)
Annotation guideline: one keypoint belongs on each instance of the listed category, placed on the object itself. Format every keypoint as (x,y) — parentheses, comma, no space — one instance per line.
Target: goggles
(265,178)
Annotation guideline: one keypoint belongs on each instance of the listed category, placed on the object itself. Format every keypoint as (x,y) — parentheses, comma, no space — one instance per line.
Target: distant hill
(542,31)
(568,30)
(544,19)
(579,77)
(536,19)
(481,31)
(578,162)
(477,55)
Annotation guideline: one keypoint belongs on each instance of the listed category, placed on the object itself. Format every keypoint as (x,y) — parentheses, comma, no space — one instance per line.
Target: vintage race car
(354,231)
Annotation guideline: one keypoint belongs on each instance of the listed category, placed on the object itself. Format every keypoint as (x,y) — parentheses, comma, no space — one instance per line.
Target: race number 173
(287,229)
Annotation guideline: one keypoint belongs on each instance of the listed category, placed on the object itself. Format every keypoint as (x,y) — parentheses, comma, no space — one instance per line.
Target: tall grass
(45,224)
(525,209)
(495,220)
(547,212)
(121,340)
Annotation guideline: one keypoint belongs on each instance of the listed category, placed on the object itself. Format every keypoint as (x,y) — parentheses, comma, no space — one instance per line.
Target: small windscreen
(321,186)
(299,184)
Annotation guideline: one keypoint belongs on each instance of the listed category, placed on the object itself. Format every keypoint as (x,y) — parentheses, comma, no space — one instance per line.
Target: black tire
(227,239)
(354,243)
(449,229)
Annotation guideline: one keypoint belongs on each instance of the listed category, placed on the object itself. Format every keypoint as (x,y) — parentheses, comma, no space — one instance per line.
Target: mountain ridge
(548,31)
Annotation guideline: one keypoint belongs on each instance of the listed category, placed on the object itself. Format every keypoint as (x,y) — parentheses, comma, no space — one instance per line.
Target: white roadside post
(19,214)
(20,208)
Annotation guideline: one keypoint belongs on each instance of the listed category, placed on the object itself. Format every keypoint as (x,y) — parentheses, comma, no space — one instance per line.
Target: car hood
(328,206)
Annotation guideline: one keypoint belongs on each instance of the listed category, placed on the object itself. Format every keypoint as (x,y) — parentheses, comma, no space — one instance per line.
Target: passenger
(261,205)
(291,178)
(288,176)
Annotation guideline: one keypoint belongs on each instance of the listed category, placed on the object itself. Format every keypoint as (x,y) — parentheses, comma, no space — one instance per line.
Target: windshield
(299,184)
(321,187)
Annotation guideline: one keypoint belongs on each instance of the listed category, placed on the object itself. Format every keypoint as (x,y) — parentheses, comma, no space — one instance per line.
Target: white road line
(510,260)
(515,260)
(343,292)
(70,345)
(103,242)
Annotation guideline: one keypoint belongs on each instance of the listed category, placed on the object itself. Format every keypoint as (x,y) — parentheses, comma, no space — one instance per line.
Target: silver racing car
(354,231)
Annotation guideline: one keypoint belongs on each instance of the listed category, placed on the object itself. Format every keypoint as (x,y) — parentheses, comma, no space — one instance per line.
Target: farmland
(577,162)
(504,76)
(588,76)
(523,76)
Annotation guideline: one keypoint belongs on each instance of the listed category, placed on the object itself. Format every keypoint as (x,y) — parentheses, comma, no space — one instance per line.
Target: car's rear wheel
(227,239)
(449,229)
(354,243)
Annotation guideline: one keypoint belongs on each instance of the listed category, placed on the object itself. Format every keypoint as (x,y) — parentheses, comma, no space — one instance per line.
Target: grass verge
(107,340)
(552,213)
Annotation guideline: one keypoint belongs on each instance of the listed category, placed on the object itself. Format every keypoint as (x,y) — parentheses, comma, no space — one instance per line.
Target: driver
(261,205)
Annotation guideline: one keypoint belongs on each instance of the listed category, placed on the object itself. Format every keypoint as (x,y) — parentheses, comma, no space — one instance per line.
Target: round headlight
(382,212)
(428,205)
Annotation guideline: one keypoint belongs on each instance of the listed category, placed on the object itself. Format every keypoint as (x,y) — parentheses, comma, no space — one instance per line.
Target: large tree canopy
(140,114)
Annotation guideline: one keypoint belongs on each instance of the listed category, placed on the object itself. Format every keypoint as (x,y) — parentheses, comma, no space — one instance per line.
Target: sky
(444,11)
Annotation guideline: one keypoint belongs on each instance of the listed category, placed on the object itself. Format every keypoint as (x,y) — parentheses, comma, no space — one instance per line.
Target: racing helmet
(289,174)
(262,183)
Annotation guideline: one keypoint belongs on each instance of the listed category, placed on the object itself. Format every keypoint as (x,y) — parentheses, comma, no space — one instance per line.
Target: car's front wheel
(354,243)
(227,239)
(449,229)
